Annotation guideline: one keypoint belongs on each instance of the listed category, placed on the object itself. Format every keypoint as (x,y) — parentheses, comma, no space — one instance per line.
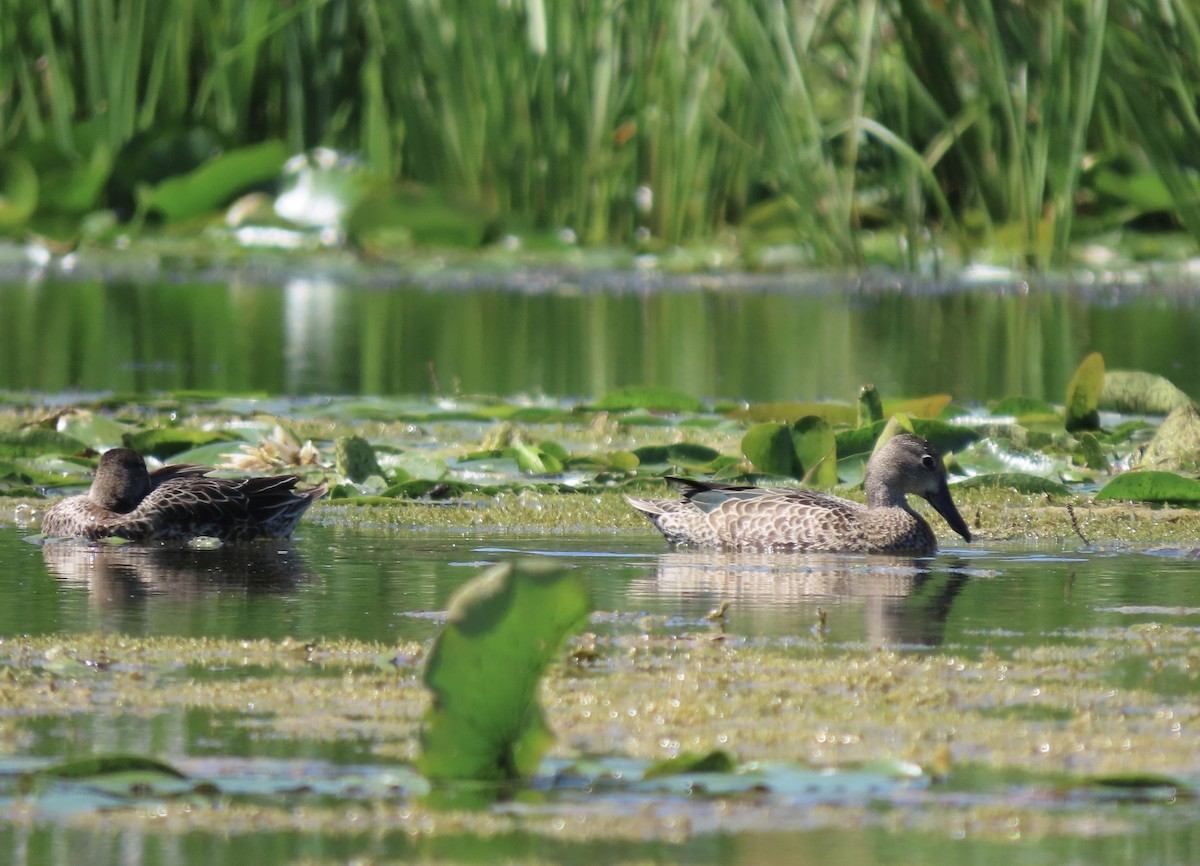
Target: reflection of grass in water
(644,696)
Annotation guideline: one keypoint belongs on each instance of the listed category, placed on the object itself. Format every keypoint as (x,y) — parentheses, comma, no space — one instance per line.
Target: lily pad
(1151,486)
(870,407)
(216,182)
(37,441)
(502,630)
(769,447)
(1024,407)
(1176,442)
(816,451)
(789,413)
(1022,482)
(165,442)
(640,397)
(1136,392)
(1083,394)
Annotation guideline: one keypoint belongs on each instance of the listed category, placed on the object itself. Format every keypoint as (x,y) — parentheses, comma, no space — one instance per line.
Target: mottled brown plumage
(766,518)
(177,503)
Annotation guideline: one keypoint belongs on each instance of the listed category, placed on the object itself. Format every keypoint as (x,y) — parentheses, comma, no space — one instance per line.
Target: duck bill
(945,506)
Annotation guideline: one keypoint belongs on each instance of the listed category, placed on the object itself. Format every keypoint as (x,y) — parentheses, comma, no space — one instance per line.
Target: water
(1110,607)
(389,586)
(777,339)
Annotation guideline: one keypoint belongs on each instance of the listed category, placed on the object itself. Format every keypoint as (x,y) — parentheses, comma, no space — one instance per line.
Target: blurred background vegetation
(878,130)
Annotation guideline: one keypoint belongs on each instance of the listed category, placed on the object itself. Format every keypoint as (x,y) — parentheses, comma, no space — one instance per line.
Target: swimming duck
(733,517)
(176,503)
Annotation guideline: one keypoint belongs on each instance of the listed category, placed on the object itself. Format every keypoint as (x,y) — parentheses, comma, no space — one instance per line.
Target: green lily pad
(1134,392)
(870,407)
(816,451)
(165,442)
(207,188)
(38,441)
(502,630)
(918,407)
(1023,407)
(770,448)
(640,397)
(356,459)
(1151,486)
(716,761)
(1083,394)
(1022,482)
(790,413)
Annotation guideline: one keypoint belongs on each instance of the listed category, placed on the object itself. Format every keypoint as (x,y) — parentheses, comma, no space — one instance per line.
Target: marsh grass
(797,122)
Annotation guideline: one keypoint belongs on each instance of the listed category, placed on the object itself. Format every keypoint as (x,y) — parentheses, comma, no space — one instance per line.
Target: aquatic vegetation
(485,669)
(921,131)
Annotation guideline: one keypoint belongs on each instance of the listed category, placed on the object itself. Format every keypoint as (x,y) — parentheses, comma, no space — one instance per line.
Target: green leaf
(1136,393)
(502,630)
(1083,394)
(640,397)
(1176,443)
(870,407)
(716,761)
(207,188)
(355,459)
(164,442)
(1151,486)
(918,407)
(689,455)
(1022,482)
(816,451)
(36,442)
(18,191)
(789,413)
(1023,407)
(95,766)
(769,447)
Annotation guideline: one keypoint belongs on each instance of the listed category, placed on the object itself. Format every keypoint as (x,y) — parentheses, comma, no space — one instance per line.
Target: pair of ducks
(179,502)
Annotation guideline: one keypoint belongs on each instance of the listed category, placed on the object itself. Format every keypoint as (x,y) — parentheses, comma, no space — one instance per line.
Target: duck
(732,517)
(177,502)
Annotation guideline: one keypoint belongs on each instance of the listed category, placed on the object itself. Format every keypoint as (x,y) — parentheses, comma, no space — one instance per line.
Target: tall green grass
(808,122)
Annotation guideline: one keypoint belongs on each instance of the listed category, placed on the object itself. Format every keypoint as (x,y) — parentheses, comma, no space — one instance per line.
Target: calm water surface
(770,339)
(385,586)
(812,340)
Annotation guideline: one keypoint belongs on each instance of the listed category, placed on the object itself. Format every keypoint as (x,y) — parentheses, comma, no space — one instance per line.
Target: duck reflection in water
(129,573)
(905,601)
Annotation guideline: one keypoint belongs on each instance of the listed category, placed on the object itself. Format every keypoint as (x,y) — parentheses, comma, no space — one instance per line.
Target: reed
(803,121)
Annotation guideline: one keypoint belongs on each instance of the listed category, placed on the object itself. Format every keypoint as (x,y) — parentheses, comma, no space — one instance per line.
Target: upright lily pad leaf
(1135,392)
(1176,443)
(1151,486)
(638,397)
(18,191)
(870,407)
(769,447)
(816,451)
(1083,394)
(503,629)
(356,459)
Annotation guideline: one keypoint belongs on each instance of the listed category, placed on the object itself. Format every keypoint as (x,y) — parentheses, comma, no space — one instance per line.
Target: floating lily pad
(919,407)
(1176,443)
(639,397)
(769,447)
(36,442)
(165,442)
(790,413)
(502,630)
(1024,407)
(716,761)
(1021,482)
(1151,486)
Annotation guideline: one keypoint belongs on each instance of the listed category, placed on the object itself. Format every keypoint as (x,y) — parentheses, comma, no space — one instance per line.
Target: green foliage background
(1022,125)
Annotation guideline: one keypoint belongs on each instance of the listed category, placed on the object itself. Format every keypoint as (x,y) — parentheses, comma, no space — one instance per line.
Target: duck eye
(927,461)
